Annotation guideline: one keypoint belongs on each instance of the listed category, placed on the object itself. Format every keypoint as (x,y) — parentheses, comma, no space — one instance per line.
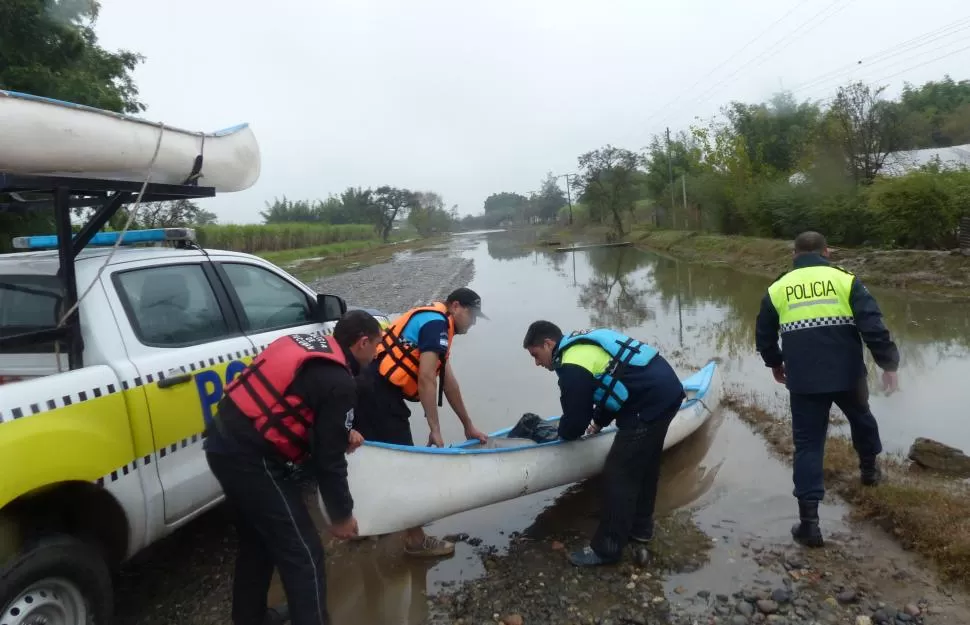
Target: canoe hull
(41,136)
(396,487)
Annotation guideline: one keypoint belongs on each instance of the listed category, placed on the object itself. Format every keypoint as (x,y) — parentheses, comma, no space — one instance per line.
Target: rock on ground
(932,454)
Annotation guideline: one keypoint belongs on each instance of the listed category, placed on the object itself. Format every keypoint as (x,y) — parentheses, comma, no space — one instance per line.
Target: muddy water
(724,472)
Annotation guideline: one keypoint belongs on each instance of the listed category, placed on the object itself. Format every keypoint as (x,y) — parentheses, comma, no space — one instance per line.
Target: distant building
(906,161)
(900,163)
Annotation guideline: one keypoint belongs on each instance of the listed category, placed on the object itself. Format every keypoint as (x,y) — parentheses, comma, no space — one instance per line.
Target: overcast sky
(468,99)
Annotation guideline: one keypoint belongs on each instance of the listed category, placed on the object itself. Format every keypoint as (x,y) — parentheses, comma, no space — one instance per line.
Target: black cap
(468,298)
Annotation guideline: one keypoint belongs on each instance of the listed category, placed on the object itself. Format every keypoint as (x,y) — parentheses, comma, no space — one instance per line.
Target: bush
(919,210)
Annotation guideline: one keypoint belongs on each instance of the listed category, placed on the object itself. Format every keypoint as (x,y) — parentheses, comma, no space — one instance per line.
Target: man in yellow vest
(824,314)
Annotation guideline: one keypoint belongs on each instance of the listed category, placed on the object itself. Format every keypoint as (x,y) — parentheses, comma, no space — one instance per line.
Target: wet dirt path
(729,546)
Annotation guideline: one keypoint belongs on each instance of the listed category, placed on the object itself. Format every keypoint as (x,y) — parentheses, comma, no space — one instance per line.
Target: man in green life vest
(605,375)
(824,314)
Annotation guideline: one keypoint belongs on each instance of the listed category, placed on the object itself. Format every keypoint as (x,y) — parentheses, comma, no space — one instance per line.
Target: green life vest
(605,354)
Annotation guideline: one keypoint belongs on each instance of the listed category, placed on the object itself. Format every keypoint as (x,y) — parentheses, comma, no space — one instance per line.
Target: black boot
(869,471)
(277,615)
(807,531)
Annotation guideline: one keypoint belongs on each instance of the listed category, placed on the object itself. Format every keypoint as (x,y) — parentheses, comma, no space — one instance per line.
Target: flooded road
(737,491)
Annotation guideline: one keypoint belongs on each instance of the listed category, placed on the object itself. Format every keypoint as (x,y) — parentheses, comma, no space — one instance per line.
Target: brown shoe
(431,548)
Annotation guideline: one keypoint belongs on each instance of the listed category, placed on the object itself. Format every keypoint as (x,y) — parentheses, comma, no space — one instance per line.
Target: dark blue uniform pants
(275,531)
(631,475)
(810,422)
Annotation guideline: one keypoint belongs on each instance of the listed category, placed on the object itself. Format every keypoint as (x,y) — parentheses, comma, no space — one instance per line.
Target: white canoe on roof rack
(396,487)
(42,136)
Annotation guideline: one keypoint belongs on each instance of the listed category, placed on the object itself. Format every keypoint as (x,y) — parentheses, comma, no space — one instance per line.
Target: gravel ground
(848,582)
(409,280)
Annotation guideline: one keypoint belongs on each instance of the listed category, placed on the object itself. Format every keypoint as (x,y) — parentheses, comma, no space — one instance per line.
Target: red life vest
(259,391)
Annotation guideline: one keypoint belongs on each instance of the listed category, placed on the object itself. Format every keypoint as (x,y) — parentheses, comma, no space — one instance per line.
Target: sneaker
(431,548)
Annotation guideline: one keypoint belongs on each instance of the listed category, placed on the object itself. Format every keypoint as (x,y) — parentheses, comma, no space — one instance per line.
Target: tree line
(776,168)
(383,207)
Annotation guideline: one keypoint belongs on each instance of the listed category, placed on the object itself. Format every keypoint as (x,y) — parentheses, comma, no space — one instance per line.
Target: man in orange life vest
(413,352)
(292,406)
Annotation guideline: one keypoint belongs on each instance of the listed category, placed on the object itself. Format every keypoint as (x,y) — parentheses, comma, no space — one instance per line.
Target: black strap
(391,339)
(273,420)
(616,367)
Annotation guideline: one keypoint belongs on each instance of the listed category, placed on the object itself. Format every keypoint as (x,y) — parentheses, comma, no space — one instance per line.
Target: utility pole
(683,180)
(569,198)
(670,172)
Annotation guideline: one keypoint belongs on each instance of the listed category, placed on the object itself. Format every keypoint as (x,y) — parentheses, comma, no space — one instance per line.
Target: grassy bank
(927,514)
(929,272)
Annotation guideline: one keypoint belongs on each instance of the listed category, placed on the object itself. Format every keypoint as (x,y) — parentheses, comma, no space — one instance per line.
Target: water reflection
(706,311)
(613,295)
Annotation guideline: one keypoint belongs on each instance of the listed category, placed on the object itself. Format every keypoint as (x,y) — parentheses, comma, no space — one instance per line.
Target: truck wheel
(56,580)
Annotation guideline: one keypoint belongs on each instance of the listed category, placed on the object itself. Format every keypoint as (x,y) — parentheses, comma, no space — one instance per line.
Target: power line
(890,52)
(723,63)
(790,37)
(908,69)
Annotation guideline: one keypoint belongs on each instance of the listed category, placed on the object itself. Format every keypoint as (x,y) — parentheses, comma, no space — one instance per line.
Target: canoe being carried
(41,136)
(395,487)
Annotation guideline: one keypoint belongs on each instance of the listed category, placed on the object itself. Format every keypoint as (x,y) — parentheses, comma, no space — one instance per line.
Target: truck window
(29,303)
(269,302)
(171,306)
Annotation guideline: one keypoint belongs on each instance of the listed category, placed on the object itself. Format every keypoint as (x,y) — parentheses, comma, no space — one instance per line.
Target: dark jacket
(653,389)
(331,392)
(827,359)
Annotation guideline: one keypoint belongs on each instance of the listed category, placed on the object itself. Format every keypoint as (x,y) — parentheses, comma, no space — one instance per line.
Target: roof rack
(62,194)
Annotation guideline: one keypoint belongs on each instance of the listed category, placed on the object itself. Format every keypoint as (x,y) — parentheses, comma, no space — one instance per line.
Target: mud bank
(941,273)
(944,274)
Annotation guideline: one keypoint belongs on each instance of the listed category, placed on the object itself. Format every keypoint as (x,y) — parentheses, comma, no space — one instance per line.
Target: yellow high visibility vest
(811,297)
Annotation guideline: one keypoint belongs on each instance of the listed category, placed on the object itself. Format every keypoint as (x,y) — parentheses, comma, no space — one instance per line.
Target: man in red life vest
(293,406)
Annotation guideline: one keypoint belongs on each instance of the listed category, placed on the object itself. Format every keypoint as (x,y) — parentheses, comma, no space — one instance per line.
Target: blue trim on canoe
(90,109)
(699,382)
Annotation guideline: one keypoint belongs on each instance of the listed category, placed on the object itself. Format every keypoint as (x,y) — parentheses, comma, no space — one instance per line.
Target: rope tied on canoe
(114,248)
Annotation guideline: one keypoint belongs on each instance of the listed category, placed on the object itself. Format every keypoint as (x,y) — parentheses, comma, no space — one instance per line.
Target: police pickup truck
(98,461)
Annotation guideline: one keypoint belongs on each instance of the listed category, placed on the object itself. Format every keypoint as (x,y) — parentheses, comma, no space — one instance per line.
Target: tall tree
(391,202)
(776,134)
(49,48)
(550,199)
(610,183)
(870,129)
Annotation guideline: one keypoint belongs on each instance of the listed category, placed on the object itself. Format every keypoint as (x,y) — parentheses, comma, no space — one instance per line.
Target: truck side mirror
(330,307)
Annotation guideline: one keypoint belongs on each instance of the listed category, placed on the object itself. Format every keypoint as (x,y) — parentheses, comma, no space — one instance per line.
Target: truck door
(271,302)
(186,343)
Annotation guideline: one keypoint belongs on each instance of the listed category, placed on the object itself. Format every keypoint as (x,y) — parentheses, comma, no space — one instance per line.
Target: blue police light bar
(154,235)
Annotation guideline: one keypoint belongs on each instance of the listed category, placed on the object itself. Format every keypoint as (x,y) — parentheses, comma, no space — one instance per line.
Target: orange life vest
(260,391)
(398,359)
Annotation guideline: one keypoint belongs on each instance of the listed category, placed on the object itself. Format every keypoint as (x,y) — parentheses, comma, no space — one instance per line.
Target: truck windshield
(27,303)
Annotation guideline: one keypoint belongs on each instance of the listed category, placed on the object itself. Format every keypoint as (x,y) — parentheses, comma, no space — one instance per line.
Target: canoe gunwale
(223,132)
(699,381)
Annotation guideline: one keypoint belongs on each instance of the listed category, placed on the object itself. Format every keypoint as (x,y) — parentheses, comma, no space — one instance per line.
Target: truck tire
(56,580)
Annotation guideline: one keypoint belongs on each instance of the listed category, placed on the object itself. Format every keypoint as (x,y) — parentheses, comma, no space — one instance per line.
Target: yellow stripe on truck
(180,411)
(83,442)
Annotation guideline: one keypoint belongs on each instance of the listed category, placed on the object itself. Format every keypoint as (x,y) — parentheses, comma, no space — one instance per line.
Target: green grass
(284,257)
(254,238)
